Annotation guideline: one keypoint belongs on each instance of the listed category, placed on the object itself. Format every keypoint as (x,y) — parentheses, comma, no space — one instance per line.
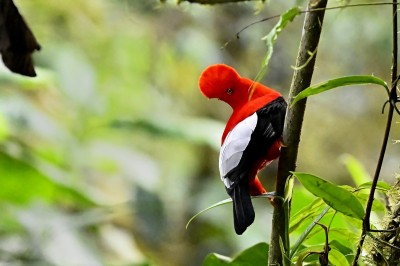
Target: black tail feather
(243,211)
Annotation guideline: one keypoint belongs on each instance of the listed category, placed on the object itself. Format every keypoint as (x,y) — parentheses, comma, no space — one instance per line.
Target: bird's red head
(224,83)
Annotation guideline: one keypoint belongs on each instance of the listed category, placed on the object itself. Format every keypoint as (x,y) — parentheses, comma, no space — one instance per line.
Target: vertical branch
(392,102)
(293,123)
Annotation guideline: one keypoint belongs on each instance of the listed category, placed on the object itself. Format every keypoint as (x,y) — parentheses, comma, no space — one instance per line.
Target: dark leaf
(17,42)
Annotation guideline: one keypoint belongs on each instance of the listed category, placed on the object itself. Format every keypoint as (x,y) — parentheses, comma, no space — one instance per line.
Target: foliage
(339,82)
(336,197)
(108,152)
(255,255)
(347,201)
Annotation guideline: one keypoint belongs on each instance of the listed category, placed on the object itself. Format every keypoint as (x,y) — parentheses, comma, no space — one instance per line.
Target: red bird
(252,136)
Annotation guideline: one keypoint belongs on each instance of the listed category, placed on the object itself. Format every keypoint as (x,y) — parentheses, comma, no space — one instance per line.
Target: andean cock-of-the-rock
(252,136)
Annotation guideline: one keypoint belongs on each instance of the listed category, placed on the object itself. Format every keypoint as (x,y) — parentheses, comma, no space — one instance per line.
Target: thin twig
(392,99)
(310,10)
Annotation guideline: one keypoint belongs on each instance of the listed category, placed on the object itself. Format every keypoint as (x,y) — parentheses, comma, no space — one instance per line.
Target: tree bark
(294,119)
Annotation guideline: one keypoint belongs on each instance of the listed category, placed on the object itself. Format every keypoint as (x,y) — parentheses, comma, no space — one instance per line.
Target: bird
(252,137)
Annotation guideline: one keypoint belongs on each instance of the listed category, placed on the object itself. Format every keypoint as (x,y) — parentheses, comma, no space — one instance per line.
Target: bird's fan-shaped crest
(215,78)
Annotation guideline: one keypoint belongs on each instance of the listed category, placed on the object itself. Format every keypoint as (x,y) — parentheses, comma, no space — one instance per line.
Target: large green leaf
(253,256)
(337,197)
(337,258)
(215,259)
(338,82)
(21,183)
(345,248)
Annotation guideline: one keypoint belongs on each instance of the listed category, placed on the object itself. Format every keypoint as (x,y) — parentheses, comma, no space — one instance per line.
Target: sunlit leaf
(345,249)
(304,254)
(338,82)
(255,255)
(346,236)
(381,185)
(356,169)
(337,258)
(306,214)
(306,232)
(377,205)
(215,259)
(4,128)
(289,188)
(337,197)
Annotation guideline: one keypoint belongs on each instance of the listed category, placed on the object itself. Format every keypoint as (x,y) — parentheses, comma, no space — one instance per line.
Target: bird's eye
(229,91)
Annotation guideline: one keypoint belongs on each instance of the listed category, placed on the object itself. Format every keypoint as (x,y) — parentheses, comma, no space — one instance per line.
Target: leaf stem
(312,10)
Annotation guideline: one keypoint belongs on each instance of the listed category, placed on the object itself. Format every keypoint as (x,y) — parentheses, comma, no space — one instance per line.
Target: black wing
(269,129)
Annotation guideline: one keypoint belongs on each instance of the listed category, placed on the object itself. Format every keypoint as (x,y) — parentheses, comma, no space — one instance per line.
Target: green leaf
(344,249)
(337,258)
(306,232)
(337,197)
(271,38)
(377,205)
(22,183)
(356,169)
(304,254)
(381,185)
(215,259)
(338,82)
(4,128)
(255,255)
(306,214)
(289,189)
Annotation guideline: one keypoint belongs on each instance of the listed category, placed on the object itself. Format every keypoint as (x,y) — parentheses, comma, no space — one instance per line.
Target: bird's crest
(216,78)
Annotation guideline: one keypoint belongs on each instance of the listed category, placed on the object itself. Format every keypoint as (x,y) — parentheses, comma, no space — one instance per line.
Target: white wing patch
(234,145)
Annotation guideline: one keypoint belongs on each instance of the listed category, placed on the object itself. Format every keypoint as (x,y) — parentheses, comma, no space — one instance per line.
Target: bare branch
(293,123)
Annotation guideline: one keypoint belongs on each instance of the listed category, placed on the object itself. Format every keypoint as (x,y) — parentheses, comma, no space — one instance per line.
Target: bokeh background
(106,155)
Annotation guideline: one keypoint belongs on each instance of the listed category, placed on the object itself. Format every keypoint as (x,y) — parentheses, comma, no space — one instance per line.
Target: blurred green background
(111,149)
